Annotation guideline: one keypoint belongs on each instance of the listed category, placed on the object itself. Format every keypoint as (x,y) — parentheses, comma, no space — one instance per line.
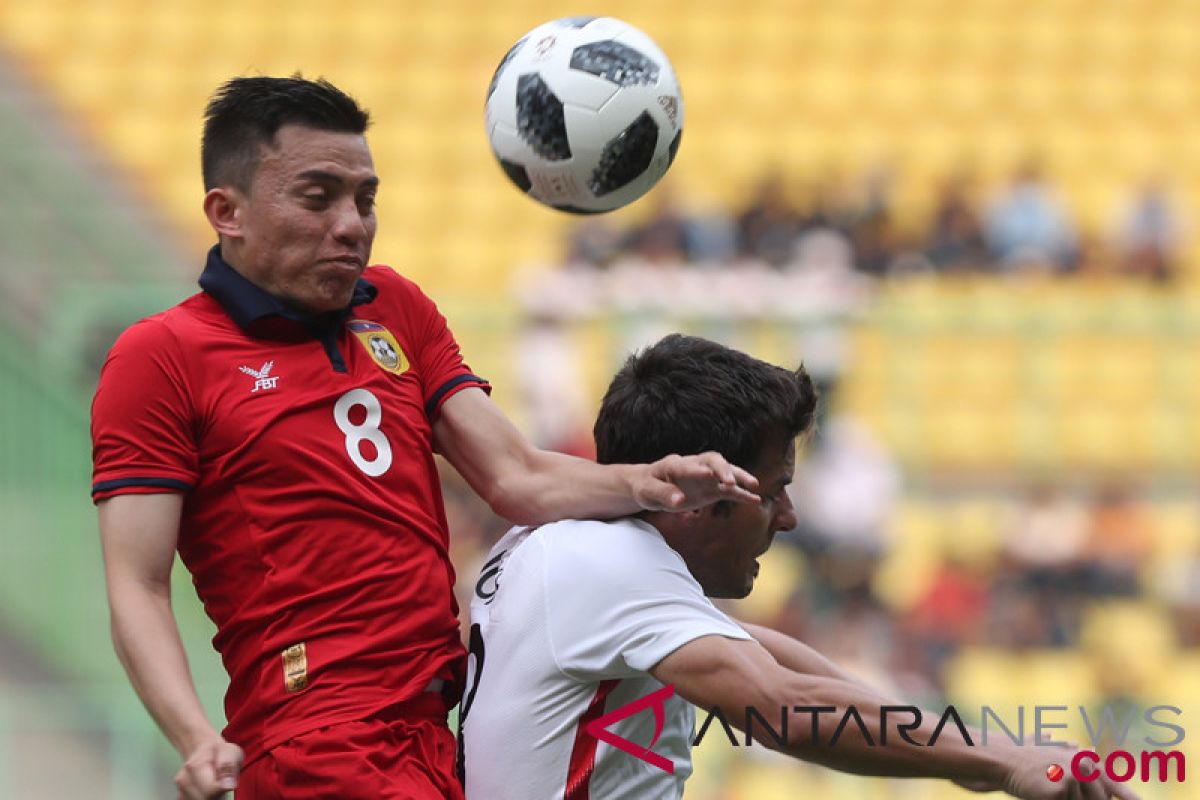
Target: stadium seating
(966,379)
(842,86)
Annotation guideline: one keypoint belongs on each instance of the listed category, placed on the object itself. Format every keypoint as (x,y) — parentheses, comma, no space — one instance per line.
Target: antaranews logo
(1111,725)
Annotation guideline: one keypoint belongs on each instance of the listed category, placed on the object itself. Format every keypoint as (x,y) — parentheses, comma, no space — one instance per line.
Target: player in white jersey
(590,641)
(572,616)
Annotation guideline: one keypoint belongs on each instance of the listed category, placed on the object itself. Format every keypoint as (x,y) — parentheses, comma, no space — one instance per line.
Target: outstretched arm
(527,485)
(717,672)
(138,533)
(795,655)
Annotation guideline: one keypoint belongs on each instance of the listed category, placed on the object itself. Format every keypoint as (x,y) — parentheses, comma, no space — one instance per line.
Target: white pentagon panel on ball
(584,114)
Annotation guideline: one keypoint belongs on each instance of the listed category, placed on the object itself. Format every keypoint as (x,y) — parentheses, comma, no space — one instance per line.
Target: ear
(223,207)
(720,509)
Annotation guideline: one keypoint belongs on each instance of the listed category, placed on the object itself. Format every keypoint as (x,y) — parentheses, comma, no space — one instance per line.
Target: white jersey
(567,621)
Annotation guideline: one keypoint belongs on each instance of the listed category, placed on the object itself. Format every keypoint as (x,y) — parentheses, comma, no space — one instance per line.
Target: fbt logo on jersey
(263,379)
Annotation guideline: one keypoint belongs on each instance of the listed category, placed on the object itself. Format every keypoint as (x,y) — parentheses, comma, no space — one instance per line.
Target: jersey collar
(246,303)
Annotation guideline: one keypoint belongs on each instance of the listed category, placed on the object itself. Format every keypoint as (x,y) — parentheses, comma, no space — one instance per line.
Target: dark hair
(245,113)
(687,395)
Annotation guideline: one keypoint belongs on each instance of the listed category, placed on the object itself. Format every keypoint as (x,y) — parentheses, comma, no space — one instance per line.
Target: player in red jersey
(278,430)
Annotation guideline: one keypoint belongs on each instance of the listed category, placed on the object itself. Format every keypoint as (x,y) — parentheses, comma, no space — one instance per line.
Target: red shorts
(405,752)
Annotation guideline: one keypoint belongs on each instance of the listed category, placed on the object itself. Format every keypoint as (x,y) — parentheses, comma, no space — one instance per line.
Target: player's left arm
(795,654)
(734,675)
(527,485)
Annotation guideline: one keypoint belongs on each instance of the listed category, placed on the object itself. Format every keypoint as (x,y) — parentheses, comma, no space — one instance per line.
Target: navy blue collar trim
(245,303)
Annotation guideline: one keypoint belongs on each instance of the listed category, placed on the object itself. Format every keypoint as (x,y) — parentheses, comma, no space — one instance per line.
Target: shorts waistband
(431,702)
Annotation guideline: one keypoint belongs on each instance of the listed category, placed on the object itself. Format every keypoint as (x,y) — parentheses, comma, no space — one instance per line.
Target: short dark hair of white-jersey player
(575,619)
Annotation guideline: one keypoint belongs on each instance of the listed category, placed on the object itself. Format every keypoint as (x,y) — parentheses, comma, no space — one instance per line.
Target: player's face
(732,536)
(308,221)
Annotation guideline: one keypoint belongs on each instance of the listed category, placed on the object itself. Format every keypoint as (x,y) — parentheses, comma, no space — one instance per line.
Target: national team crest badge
(380,344)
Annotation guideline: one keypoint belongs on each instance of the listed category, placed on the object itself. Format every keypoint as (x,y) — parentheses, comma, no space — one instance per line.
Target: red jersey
(313,523)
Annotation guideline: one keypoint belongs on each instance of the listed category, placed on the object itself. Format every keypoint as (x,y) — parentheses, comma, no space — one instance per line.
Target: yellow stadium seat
(1058,677)
(913,553)
(978,676)
(1132,642)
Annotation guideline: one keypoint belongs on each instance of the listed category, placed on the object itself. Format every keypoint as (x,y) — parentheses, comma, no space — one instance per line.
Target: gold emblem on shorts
(295,668)
(380,344)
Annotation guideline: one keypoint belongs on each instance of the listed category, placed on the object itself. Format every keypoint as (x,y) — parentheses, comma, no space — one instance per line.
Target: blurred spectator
(552,388)
(950,612)
(870,224)
(712,238)
(663,237)
(767,229)
(845,490)
(1183,602)
(1149,234)
(827,204)
(1092,258)
(1041,571)
(823,250)
(1043,546)
(1175,579)
(1119,542)
(857,634)
(955,239)
(1027,226)
(1021,621)
(593,242)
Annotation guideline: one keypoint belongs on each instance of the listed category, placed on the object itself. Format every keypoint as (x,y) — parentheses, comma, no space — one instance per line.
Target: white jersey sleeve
(567,620)
(620,603)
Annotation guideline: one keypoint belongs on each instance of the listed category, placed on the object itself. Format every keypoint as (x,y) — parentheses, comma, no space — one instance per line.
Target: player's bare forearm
(877,747)
(138,534)
(735,676)
(555,486)
(796,655)
(842,724)
(527,485)
(147,641)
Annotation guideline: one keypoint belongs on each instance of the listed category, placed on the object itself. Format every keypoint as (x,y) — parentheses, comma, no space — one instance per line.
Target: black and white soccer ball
(584,114)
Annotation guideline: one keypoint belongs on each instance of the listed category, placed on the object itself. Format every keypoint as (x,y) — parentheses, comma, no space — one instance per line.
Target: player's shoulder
(389,281)
(399,301)
(611,550)
(165,329)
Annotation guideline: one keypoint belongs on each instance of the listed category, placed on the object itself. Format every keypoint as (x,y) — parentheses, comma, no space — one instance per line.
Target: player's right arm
(715,671)
(138,534)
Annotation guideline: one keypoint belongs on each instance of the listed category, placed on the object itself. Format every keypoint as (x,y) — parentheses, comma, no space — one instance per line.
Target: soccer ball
(584,114)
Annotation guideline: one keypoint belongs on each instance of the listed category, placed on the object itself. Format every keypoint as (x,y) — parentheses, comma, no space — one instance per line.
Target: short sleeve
(620,600)
(143,436)
(435,352)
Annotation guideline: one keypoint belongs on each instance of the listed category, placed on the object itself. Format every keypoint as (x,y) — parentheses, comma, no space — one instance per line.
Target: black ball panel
(580,211)
(615,62)
(576,22)
(674,148)
(626,156)
(540,120)
(517,174)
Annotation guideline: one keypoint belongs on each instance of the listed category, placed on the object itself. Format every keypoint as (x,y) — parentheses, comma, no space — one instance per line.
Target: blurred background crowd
(971,220)
(796,224)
